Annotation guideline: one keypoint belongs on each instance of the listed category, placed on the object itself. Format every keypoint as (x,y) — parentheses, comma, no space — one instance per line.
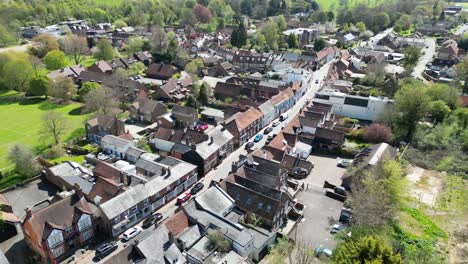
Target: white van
(283,116)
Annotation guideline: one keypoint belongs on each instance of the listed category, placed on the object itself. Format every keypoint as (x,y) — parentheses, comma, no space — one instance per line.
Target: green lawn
(326,4)
(21,122)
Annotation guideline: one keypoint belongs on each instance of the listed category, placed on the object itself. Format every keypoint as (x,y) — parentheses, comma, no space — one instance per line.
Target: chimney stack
(28,212)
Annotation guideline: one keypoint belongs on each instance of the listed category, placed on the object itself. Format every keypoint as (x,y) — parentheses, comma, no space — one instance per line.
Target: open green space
(326,4)
(21,121)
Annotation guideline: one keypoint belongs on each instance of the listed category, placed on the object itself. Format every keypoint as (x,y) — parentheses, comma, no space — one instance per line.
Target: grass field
(326,4)
(21,121)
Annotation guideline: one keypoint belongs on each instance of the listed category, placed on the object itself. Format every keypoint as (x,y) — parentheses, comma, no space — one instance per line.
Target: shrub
(356,135)
(377,133)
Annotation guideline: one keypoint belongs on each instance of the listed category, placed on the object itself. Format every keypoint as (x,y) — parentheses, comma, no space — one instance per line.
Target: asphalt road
(429,52)
(223,169)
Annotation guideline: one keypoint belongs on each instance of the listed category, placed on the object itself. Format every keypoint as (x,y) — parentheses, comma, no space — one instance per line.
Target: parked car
(129,121)
(275,123)
(268,140)
(322,251)
(183,198)
(249,145)
(196,188)
(202,127)
(105,249)
(340,190)
(131,233)
(317,81)
(152,219)
(346,215)
(267,130)
(283,116)
(258,137)
(299,173)
(344,163)
(337,228)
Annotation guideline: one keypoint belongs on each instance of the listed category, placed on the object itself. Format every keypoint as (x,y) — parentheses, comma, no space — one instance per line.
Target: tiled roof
(247,118)
(177,223)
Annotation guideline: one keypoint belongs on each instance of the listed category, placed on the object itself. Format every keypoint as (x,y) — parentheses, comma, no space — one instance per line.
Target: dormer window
(55,238)
(84,222)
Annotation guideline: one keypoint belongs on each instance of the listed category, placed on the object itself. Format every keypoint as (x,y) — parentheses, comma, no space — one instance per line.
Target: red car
(183,198)
(202,127)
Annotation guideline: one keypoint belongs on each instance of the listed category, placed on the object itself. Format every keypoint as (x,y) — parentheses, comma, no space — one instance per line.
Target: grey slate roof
(215,200)
(138,193)
(220,138)
(73,173)
(152,247)
(115,141)
(190,235)
(267,107)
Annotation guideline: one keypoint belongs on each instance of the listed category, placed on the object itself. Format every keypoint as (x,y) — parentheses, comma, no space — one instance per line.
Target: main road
(223,169)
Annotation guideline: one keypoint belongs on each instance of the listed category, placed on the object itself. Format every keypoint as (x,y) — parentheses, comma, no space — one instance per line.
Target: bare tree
(62,88)
(158,40)
(54,124)
(99,100)
(75,46)
(303,254)
(23,158)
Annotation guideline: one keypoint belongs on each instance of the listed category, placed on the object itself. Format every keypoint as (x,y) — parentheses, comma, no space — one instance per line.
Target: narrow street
(425,58)
(223,169)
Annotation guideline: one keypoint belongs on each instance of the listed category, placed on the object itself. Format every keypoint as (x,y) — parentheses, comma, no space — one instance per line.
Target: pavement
(325,169)
(424,59)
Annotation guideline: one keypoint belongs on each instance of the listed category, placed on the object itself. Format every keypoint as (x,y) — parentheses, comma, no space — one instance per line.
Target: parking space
(325,169)
(320,211)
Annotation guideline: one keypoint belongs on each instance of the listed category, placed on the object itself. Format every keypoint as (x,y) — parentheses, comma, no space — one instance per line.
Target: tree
(55,60)
(202,13)
(204,95)
(381,21)
(367,249)
(54,124)
(24,160)
(303,253)
(412,55)
(331,16)
(463,43)
(136,68)
(188,17)
(39,85)
(43,44)
(62,88)
(158,40)
(87,87)
(5,36)
(403,23)
(98,100)
(447,93)
(104,51)
(191,101)
(135,44)
(293,42)
(411,105)
(218,241)
(16,74)
(119,23)
(314,6)
(75,46)
(282,249)
(462,74)
(239,36)
(270,30)
(319,44)
(377,193)
(361,26)
(439,110)
(442,16)
(377,133)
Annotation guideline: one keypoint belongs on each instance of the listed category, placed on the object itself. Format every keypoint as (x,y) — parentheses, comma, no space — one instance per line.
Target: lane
(429,52)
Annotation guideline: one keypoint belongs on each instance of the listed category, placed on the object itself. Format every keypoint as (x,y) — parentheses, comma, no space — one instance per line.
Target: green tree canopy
(105,50)
(55,60)
(367,249)
(39,85)
(17,73)
(319,44)
(439,110)
(87,87)
(191,101)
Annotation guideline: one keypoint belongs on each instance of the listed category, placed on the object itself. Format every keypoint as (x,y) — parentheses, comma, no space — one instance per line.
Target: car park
(105,249)
(267,130)
(196,188)
(183,198)
(258,137)
(322,251)
(131,233)
(152,219)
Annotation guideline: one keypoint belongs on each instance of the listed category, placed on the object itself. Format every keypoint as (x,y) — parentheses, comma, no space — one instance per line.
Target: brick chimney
(28,212)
